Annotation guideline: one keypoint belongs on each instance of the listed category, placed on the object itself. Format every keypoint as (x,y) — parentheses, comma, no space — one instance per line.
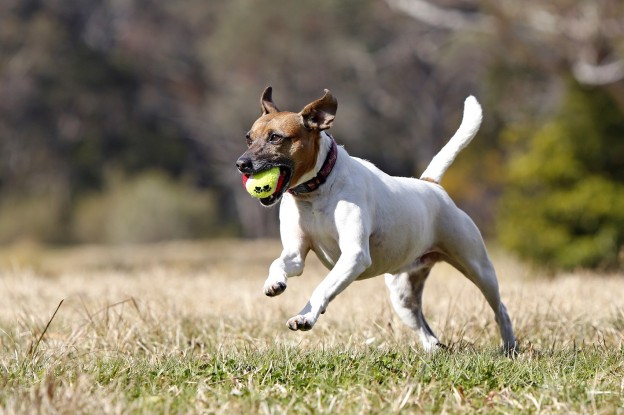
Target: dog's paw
(511,349)
(274,289)
(300,323)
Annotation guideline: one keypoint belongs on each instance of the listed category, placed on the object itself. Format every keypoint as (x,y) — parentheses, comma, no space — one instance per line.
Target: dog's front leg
(289,264)
(347,269)
(354,260)
(295,249)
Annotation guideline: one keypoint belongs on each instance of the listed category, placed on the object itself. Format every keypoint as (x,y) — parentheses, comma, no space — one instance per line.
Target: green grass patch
(290,379)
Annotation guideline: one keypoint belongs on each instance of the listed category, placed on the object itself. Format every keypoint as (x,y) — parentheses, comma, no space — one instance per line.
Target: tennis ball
(263,184)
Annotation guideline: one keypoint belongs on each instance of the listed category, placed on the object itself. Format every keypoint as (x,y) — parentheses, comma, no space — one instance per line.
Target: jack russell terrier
(360,221)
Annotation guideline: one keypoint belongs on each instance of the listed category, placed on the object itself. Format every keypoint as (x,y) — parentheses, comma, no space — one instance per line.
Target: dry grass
(184,327)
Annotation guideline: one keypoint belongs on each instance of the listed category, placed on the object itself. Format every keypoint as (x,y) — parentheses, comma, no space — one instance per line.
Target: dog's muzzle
(247,166)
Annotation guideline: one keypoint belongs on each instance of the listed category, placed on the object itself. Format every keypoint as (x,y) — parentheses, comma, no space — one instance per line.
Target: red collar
(314,183)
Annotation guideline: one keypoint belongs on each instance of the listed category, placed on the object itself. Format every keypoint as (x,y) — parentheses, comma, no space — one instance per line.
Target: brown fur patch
(304,153)
(428,179)
(301,146)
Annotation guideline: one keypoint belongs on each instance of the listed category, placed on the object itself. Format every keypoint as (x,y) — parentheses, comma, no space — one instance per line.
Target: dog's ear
(320,114)
(266,102)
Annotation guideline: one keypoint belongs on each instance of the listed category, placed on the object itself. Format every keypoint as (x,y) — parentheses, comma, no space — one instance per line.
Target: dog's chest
(319,226)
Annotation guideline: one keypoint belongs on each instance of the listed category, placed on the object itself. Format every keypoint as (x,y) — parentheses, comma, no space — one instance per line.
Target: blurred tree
(583,37)
(81,97)
(564,205)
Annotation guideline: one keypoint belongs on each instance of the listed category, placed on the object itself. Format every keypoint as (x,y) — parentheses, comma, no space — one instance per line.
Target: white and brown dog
(360,221)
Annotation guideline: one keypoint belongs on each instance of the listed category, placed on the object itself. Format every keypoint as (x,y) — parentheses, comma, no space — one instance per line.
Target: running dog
(360,221)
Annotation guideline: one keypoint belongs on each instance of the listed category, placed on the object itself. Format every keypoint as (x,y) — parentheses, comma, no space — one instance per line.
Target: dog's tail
(469,126)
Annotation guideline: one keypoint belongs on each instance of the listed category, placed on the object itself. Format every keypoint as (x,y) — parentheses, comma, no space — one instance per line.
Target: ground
(185,328)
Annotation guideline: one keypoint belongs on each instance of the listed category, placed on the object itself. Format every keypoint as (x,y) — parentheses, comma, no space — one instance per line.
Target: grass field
(185,328)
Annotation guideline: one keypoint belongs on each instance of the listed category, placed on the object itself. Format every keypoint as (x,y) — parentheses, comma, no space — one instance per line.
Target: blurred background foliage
(565,201)
(120,121)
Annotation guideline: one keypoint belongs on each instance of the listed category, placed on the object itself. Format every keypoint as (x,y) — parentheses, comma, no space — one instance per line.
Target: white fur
(362,223)
(467,130)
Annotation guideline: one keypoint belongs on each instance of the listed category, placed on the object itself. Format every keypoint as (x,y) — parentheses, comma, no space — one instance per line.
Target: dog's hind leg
(469,255)
(406,296)
(481,272)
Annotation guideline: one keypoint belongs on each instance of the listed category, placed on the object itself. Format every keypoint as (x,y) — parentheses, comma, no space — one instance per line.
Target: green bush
(147,208)
(563,205)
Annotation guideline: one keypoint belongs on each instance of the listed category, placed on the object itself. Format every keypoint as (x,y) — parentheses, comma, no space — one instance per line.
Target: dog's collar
(314,183)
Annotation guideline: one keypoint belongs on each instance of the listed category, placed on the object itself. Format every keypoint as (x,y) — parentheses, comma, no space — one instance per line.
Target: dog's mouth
(282,185)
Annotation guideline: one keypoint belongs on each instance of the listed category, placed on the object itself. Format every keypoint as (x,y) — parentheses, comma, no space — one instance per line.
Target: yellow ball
(263,184)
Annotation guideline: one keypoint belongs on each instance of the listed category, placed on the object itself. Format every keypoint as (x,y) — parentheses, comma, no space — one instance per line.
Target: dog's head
(287,140)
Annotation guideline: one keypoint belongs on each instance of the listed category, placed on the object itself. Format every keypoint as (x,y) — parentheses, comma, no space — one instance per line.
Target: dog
(362,222)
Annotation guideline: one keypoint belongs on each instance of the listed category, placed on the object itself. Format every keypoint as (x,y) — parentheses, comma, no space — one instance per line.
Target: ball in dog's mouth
(267,185)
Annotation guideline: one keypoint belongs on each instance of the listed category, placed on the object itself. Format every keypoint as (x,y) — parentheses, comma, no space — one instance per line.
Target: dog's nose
(244,164)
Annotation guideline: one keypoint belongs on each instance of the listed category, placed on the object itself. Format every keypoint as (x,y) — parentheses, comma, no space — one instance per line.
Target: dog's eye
(275,138)
(248,139)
